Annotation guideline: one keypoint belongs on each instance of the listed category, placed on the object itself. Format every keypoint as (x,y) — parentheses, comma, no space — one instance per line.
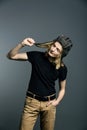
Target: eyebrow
(57,48)
(55,45)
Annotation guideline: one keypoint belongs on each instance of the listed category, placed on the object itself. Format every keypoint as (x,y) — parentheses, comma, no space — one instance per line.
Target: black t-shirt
(44,74)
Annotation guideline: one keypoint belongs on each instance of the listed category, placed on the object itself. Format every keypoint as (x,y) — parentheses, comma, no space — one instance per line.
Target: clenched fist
(28,42)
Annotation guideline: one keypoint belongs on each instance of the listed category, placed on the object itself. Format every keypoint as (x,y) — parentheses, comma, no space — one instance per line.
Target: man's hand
(53,102)
(28,42)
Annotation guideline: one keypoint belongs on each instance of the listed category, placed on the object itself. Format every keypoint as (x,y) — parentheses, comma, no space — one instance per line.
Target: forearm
(15,50)
(60,95)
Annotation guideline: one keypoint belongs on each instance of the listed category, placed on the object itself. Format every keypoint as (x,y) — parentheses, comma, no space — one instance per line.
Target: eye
(53,45)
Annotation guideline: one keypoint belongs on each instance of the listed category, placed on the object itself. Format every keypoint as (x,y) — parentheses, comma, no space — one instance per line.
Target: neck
(54,60)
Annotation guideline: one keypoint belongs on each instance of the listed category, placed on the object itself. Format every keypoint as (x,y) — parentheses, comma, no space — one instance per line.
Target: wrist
(22,44)
(57,101)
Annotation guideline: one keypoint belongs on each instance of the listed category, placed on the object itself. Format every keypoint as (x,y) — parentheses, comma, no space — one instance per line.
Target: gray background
(43,21)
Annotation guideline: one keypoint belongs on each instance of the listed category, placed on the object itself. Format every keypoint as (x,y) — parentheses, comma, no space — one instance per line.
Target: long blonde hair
(54,60)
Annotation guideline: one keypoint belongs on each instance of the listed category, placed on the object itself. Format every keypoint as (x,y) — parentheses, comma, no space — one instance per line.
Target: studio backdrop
(43,21)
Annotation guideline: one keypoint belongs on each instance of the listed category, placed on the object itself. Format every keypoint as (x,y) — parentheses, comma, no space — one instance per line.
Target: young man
(47,67)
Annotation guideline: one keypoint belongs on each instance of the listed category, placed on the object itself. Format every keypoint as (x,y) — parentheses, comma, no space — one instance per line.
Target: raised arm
(14,53)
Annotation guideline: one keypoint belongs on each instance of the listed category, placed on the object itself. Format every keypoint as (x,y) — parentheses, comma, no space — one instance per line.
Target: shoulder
(33,55)
(34,52)
(62,72)
(63,68)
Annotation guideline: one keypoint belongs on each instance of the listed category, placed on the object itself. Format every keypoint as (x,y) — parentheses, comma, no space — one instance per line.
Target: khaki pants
(31,111)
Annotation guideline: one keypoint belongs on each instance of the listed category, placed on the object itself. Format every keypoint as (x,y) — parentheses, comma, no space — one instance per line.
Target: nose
(53,49)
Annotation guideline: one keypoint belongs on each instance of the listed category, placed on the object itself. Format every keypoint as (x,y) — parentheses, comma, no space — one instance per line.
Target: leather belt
(45,98)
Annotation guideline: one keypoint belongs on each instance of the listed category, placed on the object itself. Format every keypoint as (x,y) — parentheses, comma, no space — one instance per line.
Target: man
(47,67)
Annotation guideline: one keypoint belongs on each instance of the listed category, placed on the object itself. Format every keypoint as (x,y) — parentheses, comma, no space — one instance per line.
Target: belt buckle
(48,98)
(34,95)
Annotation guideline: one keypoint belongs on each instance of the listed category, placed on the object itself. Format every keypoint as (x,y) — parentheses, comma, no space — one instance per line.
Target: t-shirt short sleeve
(31,56)
(62,73)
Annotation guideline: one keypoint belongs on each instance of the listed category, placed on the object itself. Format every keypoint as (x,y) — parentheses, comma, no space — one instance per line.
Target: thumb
(48,103)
